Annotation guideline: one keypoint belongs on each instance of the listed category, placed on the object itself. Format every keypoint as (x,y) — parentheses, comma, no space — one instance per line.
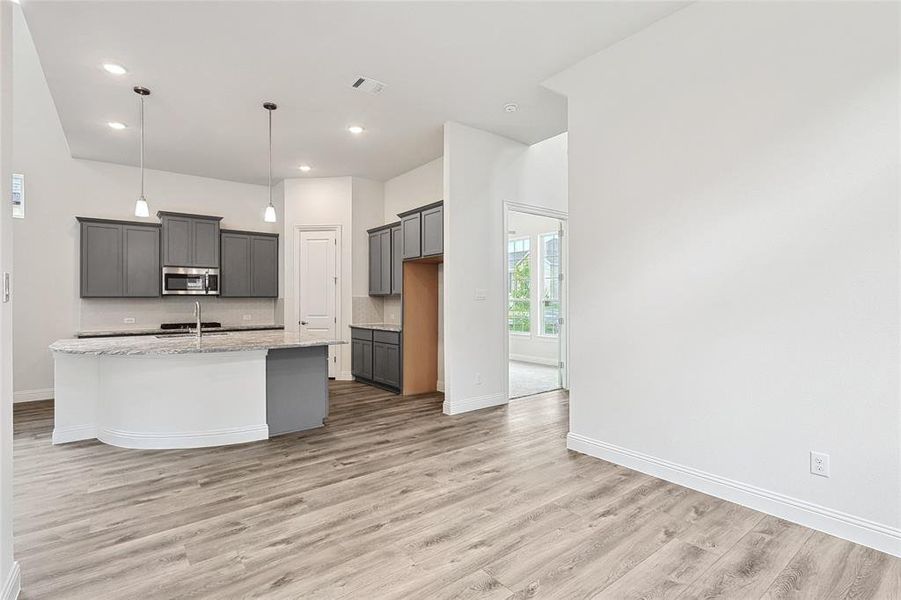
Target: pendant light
(269,215)
(141,208)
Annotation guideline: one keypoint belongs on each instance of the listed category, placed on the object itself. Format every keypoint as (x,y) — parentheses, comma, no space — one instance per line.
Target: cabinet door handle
(304,323)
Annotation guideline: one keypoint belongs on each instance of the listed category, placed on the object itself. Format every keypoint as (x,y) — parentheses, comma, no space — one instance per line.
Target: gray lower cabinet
(119,259)
(376,357)
(361,359)
(189,240)
(386,364)
(422,231)
(381,261)
(249,264)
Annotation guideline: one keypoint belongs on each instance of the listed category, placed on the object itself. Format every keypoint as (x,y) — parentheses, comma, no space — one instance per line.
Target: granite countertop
(159,331)
(378,326)
(189,344)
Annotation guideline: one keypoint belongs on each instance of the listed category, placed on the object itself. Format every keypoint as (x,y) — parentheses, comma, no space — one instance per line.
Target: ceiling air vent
(369,85)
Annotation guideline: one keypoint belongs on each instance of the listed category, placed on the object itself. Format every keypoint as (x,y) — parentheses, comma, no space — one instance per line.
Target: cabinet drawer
(361,334)
(386,337)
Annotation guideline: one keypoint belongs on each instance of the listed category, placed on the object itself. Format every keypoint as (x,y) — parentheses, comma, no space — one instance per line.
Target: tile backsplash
(392,310)
(368,309)
(112,313)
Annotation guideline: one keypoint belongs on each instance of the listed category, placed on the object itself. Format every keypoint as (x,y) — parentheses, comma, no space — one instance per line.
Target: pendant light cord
(142,147)
(270,156)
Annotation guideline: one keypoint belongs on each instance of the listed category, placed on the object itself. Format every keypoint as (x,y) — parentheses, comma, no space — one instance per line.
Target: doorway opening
(535,301)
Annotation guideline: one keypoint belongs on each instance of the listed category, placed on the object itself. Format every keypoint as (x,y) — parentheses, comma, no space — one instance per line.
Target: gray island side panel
(296,389)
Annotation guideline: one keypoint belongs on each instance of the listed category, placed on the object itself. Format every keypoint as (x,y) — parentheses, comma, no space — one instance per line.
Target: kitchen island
(181,391)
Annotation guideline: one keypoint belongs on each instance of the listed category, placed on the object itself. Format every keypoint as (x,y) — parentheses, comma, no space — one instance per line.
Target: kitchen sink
(189,335)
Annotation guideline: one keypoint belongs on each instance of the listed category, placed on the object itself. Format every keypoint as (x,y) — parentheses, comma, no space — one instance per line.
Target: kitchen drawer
(386,337)
(361,334)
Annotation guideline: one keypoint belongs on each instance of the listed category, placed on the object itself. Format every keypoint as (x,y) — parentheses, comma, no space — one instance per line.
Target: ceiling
(210,65)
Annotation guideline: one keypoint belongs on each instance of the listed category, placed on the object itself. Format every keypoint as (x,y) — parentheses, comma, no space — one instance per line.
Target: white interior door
(317,293)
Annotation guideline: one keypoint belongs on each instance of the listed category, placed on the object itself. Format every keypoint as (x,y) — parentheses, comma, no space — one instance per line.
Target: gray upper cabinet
(190,240)
(410,227)
(264,266)
(235,270)
(397,260)
(141,260)
(383,252)
(119,259)
(433,231)
(422,231)
(375,264)
(205,243)
(249,264)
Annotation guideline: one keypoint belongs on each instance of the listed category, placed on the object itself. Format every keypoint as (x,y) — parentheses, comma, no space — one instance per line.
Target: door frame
(339,285)
(563,217)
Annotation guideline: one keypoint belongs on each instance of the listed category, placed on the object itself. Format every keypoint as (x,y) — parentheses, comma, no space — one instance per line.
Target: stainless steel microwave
(185,281)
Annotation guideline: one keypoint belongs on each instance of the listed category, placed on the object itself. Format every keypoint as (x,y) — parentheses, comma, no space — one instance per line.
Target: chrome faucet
(199,323)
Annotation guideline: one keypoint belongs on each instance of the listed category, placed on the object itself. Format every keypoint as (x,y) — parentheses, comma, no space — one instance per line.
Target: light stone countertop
(159,331)
(172,344)
(378,326)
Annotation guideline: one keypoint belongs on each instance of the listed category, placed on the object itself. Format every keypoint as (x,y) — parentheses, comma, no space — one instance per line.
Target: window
(550,283)
(519,276)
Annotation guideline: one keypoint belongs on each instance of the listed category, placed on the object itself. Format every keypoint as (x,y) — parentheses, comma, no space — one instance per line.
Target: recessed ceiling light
(117,125)
(114,69)
(511,107)
(304,168)
(355,129)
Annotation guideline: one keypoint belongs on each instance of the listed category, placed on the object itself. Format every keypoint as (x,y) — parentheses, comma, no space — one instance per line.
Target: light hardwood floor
(395,500)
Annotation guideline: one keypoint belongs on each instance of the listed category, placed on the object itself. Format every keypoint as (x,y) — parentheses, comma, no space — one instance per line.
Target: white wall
(482,171)
(479,176)
(321,201)
(535,346)
(734,243)
(418,187)
(9,578)
(58,188)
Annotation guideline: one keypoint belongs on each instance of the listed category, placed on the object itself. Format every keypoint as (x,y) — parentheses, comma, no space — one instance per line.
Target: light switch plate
(481,293)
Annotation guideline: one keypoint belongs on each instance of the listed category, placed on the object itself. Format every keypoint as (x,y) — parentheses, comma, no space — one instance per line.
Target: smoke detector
(369,85)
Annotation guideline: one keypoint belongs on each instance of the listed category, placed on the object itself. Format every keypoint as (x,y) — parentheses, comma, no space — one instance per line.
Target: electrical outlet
(128,320)
(478,379)
(247,317)
(819,463)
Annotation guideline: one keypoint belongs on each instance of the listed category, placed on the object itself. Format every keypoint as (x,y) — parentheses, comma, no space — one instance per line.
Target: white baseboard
(467,404)
(440,386)
(32,395)
(187,439)
(884,538)
(345,376)
(535,360)
(64,435)
(13,584)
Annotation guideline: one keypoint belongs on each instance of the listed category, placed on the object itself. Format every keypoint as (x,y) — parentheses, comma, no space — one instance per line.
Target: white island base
(161,401)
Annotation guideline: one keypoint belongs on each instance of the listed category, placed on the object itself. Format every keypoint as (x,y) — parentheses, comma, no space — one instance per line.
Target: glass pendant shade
(269,215)
(141,208)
